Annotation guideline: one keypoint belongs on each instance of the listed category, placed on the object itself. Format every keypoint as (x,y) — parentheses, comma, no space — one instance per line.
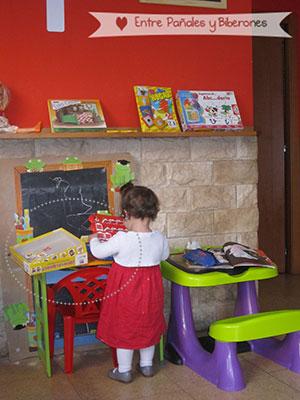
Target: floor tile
(289,377)
(263,363)
(27,380)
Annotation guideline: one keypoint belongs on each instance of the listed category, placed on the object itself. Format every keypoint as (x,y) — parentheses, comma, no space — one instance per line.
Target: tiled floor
(265,380)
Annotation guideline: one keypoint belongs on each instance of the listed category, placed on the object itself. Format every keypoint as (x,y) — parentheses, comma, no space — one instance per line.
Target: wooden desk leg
(41,310)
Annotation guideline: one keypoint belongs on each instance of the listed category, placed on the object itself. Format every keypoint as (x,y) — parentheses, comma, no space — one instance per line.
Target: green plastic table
(181,336)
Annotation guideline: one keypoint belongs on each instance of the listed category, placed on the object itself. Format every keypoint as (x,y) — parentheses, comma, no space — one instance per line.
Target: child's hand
(92,236)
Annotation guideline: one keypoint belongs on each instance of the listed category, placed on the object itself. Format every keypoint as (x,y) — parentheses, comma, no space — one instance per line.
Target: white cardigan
(132,249)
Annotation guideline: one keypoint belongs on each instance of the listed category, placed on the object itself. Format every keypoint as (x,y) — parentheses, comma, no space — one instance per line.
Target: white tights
(125,356)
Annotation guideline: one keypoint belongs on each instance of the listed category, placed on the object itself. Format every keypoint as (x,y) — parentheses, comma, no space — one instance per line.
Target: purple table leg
(222,367)
(285,352)
(246,301)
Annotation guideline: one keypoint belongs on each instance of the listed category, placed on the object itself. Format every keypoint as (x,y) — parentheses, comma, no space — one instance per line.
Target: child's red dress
(131,314)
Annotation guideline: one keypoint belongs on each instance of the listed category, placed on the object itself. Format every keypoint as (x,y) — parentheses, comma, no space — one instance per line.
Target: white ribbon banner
(115,24)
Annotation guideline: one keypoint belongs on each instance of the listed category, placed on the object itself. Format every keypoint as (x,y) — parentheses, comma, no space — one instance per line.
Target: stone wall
(207,188)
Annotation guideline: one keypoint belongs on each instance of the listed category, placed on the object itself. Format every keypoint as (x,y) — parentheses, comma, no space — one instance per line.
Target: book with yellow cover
(156,109)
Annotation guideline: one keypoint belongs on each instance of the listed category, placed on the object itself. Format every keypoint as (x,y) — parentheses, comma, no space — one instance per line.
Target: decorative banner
(264,24)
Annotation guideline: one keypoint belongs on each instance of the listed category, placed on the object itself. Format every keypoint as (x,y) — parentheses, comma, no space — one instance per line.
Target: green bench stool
(259,330)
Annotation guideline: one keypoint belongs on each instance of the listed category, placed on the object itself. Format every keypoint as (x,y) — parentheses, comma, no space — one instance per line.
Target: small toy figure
(4,100)
(4,97)
(17,315)
(5,126)
(35,165)
(122,174)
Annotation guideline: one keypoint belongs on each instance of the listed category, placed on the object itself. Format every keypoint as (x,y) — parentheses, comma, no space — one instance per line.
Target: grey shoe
(124,377)
(147,371)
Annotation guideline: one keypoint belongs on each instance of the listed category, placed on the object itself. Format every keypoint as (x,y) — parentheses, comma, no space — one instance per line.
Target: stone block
(165,149)
(247,147)
(248,238)
(190,174)
(173,199)
(100,146)
(160,224)
(189,224)
(153,174)
(235,172)
(61,147)
(213,148)
(246,196)
(16,148)
(235,220)
(213,197)
(210,304)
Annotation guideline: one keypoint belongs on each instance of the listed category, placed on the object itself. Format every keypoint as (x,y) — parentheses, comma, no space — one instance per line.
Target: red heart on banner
(121,22)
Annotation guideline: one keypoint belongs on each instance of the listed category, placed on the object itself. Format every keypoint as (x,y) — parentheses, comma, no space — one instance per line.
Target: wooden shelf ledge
(126,133)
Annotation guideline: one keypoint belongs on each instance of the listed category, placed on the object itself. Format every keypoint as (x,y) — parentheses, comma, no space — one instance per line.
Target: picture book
(106,226)
(156,109)
(231,255)
(208,110)
(239,255)
(75,115)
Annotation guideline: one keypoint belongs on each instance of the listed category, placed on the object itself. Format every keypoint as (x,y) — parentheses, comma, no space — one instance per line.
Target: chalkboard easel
(57,197)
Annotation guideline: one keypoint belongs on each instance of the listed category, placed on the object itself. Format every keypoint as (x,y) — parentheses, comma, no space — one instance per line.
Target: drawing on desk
(58,198)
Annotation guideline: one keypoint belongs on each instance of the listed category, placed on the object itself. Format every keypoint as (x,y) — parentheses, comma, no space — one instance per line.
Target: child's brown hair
(139,201)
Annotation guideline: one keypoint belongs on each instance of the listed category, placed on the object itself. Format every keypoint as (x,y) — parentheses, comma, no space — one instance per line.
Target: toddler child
(131,315)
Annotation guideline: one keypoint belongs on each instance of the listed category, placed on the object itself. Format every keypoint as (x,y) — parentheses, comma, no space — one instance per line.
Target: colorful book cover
(76,115)
(156,109)
(106,226)
(208,110)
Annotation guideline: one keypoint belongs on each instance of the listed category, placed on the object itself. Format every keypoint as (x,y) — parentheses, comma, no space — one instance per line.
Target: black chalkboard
(57,198)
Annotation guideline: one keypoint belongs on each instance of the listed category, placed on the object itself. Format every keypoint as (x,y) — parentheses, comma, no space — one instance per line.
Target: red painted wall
(37,65)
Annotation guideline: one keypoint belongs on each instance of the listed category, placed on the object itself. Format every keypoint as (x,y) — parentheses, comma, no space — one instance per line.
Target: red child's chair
(86,288)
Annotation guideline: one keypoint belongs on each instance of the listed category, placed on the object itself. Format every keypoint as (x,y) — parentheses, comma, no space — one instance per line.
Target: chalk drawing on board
(65,198)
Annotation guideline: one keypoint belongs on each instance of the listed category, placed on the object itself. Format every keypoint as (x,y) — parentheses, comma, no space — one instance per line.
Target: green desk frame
(41,310)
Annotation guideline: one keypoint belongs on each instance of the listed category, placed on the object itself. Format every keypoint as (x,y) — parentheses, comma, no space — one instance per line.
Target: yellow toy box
(54,250)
